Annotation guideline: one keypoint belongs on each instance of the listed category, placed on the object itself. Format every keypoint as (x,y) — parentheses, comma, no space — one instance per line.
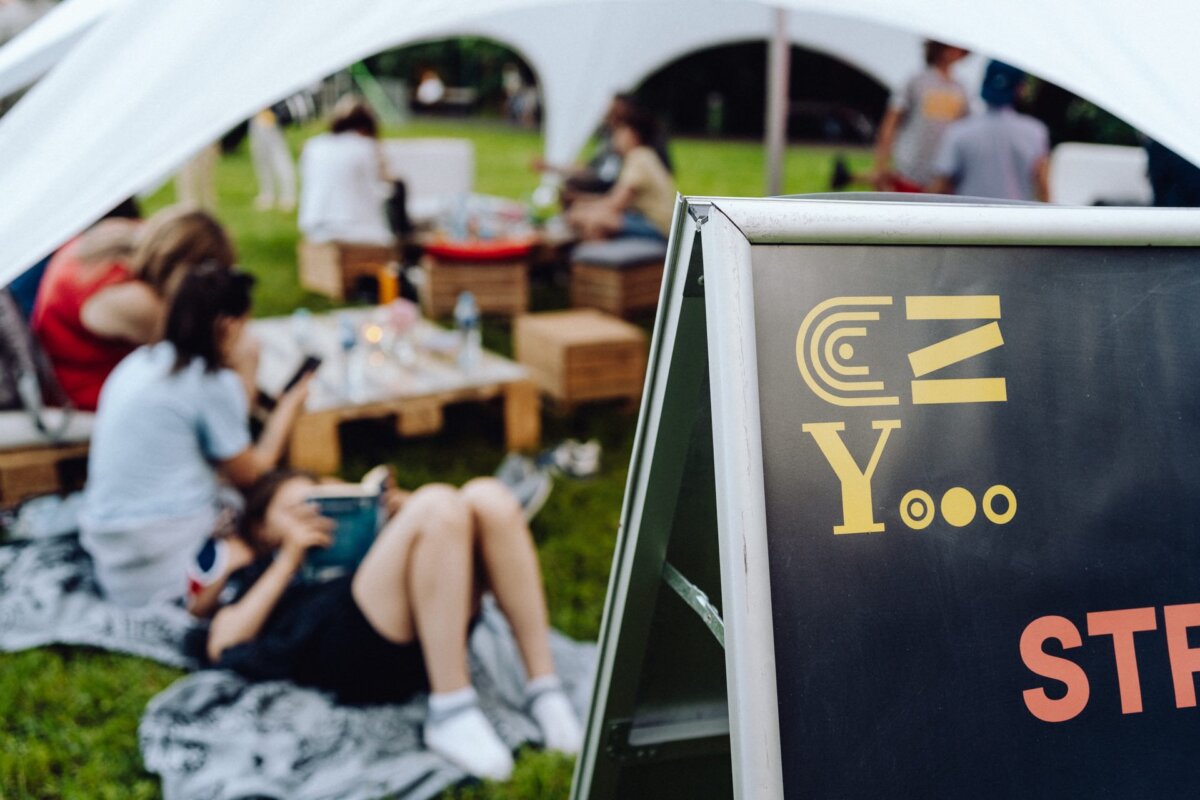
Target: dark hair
(934,50)
(353,114)
(642,123)
(259,496)
(209,293)
(126,209)
(175,240)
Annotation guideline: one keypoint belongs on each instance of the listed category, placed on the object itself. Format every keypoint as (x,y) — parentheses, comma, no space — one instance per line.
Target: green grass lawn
(68,716)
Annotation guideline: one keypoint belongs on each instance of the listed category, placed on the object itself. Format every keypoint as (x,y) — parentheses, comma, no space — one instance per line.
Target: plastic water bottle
(352,377)
(302,329)
(466,320)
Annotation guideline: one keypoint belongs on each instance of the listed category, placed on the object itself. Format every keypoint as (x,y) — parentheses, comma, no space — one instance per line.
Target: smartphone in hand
(311,364)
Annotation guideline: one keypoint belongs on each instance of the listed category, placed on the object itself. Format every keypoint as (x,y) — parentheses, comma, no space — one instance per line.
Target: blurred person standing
(916,119)
(1001,153)
(272,163)
(196,181)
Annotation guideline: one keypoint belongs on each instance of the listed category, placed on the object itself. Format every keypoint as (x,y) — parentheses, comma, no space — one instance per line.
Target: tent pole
(778,69)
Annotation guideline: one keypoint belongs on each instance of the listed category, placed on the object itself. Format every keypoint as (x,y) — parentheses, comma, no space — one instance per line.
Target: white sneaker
(468,741)
(560,727)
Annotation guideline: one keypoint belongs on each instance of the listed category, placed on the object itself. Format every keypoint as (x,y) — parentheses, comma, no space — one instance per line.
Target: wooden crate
(581,355)
(620,290)
(34,470)
(332,268)
(500,287)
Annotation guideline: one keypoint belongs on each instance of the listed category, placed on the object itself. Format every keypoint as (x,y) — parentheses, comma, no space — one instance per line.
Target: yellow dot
(846,351)
(958,507)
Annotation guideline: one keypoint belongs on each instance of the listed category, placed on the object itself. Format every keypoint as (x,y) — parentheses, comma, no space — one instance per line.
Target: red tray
(494,250)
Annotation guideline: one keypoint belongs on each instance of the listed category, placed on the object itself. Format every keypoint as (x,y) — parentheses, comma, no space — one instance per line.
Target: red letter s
(1055,668)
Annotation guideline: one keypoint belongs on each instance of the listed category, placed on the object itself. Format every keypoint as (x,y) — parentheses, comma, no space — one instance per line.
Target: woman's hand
(303,529)
(255,461)
(394,499)
(291,402)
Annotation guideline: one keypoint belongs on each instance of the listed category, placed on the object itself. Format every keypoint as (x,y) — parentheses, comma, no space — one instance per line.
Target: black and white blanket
(213,735)
(48,595)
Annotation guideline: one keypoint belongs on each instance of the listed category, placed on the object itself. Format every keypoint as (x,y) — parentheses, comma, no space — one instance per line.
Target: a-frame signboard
(913,509)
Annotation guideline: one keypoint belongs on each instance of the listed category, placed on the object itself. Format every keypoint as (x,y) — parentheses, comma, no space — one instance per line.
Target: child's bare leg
(511,563)
(415,582)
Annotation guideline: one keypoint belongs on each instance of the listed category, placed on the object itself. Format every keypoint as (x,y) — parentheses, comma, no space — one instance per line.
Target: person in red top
(106,292)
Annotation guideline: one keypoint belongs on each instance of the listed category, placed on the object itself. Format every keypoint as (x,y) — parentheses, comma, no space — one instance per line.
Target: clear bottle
(466,321)
(352,368)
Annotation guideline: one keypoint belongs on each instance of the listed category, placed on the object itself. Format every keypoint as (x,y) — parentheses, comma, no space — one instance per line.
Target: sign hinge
(618,748)
(697,600)
(699,213)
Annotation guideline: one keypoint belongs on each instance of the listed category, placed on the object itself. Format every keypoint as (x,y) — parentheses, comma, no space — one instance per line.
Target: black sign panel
(982,475)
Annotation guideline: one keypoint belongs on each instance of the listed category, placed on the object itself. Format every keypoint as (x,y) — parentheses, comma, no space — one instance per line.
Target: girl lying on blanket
(398,624)
(172,425)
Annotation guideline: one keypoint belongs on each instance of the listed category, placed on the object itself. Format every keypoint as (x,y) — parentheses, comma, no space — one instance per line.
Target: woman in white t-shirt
(344,183)
(172,421)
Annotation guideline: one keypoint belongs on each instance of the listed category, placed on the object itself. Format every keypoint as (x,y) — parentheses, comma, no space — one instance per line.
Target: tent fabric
(627,42)
(40,46)
(158,79)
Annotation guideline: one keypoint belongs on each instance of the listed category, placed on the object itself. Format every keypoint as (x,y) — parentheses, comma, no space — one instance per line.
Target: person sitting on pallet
(600,173)
(107,291)
(641,202)
(171,424)
(344,182)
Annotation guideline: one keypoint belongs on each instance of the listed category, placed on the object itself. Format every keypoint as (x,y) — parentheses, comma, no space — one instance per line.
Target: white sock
(462,735)
(552,711)
(446,704)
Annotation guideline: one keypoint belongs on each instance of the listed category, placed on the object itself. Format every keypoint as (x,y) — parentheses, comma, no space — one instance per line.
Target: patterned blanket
(213,736)
(48,595)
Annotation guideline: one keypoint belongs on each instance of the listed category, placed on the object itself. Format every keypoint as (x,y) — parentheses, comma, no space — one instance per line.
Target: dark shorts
(319,637)
(352,660)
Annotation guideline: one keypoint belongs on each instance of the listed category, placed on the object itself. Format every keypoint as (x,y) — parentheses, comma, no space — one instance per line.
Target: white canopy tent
(578,76)
(156,80)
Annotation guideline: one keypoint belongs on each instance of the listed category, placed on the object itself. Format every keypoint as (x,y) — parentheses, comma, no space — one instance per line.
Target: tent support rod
(779,55)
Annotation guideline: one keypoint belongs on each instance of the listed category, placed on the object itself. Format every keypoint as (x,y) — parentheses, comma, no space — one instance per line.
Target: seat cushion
(628,251)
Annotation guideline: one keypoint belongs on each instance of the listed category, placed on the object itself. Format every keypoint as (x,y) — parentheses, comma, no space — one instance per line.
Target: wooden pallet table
(34,470)
(414,392)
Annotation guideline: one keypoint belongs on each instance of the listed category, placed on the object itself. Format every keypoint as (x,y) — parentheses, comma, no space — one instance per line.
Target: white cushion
(17,429)
(1086,174)
(434,171)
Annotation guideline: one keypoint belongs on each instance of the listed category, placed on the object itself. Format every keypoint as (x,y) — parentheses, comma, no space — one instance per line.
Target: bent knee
(440,508)
(490,496)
